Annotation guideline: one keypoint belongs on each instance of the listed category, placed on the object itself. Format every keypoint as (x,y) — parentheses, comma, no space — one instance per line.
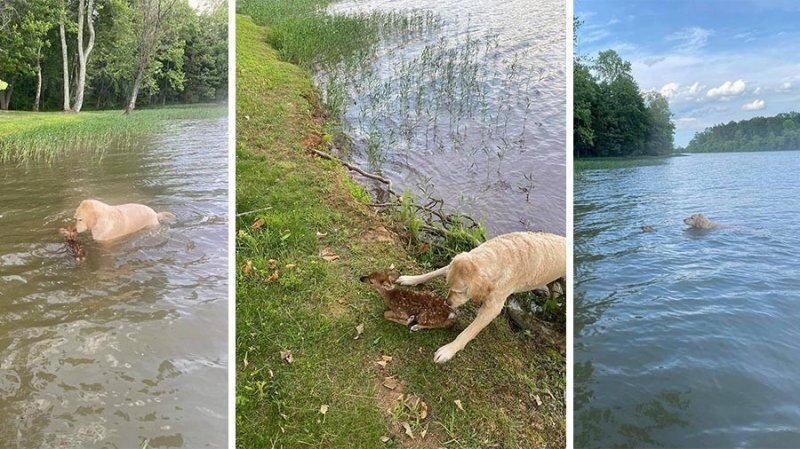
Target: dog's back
(519,254)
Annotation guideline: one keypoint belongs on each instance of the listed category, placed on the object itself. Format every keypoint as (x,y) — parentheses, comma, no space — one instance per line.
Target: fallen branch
(358,170)
(254,211)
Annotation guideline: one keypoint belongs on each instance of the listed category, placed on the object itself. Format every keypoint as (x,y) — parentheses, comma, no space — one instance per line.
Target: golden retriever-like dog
(112,222)
(487,275)
(699,221)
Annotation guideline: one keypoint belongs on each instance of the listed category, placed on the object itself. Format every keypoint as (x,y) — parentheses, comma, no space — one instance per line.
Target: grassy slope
(26,135)
(314,306)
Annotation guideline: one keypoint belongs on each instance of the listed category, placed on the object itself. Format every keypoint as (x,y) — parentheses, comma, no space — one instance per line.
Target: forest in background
(611,116)
(778,133)
(107,54)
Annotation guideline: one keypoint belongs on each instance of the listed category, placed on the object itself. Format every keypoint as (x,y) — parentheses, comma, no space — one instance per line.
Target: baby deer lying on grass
(427,309)
(74,247)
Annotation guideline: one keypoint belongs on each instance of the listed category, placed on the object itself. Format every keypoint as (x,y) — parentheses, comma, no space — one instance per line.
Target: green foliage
(778,133)
(612,117)
(189,64)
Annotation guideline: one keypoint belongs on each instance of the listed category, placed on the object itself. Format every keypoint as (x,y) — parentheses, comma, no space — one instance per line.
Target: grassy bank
(309,333)
(599,163)
(31,135)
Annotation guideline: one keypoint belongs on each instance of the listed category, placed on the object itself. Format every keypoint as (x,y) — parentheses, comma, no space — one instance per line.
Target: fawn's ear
(393,275)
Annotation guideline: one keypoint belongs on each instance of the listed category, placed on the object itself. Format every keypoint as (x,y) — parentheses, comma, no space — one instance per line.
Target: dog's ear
(87,213)
(393,275)
(478,286)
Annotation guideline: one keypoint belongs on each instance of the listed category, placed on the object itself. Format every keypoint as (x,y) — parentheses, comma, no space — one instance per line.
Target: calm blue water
(689,339)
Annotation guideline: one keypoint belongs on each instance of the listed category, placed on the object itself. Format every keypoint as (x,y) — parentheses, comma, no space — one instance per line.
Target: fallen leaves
(385,359)
(257,224)
(323,409)
(287,356)
(390,383)
(328,254)
(321,234)
(407,426)
(458,404)
(247,267)
(359,330)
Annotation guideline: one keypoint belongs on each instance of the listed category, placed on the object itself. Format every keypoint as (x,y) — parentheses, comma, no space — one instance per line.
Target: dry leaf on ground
(272,263)
(390,383)
(287,355)
(321,234)
(360,330)
(273,277)
(247,267)
(257,224)
(323,409)
(407,426)
(458,404)
(328,254)
(538,400)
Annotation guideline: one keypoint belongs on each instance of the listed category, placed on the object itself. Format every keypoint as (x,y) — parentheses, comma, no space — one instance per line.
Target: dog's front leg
(488,311)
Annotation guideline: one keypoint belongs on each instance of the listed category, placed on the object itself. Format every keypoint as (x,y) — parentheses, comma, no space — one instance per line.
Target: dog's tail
(168,216)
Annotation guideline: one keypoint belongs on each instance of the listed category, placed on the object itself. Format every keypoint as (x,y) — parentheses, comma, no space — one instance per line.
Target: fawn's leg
(398,317)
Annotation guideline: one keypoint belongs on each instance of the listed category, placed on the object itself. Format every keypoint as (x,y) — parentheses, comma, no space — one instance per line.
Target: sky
(715,61)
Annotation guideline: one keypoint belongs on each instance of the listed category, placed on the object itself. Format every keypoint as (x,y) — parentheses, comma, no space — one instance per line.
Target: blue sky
(714,60)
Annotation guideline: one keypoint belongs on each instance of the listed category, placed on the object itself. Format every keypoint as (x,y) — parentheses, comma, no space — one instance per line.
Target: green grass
(290,299)
(34,135)
(304,34)
(601,163)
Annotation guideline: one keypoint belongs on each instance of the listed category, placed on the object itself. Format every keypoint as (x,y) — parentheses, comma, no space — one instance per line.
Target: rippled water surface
(129,344)
(686,338)
(471,111)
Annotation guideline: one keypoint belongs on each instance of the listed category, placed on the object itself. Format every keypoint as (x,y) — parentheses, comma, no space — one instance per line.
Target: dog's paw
(444,353)
(405,280)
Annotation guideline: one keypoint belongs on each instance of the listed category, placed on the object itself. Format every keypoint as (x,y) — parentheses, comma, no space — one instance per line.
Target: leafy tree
(778,133)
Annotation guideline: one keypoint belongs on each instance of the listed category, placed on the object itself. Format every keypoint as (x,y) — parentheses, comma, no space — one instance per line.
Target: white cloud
(757,91)
(785,87)
(690,39)
(727,89)
(694,88)
(670,89)
(754,106)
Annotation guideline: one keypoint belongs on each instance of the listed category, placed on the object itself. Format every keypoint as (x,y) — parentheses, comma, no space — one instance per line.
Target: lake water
(129,344)
(687,338)
(471,111)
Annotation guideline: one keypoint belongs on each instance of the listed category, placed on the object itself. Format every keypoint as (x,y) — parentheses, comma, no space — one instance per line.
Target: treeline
(107,54)
(612,117)
(778,133)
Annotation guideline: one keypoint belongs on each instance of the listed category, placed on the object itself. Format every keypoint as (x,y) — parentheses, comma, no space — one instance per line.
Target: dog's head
(86,215)
(382,280)
(696,220)
(465,282)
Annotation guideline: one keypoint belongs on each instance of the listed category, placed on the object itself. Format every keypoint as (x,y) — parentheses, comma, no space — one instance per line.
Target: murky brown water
(129,344)
(472,112)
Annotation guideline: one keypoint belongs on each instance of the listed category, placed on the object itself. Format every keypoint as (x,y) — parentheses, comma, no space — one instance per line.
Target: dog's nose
(363,279)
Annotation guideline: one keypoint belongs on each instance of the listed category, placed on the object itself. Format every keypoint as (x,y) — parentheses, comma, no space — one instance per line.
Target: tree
(662,130)
(152,13)
(86,13)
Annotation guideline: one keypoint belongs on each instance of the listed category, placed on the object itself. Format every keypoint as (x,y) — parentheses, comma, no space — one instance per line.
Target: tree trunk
(137,84)
(38,80)
(83,53)
(65,59)
(5,97)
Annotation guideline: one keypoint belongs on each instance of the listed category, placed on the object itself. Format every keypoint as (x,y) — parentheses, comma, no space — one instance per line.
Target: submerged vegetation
(778,133)
(29,135)
(316,363)
(612,117)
